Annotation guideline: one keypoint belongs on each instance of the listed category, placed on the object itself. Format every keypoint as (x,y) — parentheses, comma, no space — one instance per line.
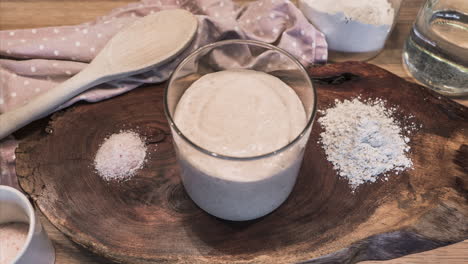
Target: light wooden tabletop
(15,14)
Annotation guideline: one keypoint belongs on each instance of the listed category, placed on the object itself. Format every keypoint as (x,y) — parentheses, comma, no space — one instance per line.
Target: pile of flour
(351,25)
(363,141)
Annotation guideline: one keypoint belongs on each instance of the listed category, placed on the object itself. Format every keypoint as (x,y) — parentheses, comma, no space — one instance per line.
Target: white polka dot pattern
(47,56)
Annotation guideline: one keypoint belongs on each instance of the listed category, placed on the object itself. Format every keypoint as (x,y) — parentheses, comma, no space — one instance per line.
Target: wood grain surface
(413,211)
(38,13)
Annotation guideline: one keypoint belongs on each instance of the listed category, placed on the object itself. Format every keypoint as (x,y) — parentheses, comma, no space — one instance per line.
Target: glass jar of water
(436,51)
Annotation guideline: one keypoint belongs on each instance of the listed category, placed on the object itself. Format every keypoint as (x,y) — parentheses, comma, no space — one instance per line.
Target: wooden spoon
(150,41)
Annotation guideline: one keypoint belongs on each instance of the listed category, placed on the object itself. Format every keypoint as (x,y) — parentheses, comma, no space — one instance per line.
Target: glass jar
(436,51)
(355,30)
(239,188)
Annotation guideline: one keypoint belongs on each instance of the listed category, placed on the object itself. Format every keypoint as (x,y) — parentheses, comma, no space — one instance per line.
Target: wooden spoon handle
(47,102)
(148,42)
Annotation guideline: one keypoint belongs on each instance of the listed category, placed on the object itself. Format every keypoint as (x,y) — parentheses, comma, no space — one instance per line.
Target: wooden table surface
(15,14)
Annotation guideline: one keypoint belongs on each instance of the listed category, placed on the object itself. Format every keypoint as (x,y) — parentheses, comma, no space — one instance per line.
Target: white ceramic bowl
(15,207)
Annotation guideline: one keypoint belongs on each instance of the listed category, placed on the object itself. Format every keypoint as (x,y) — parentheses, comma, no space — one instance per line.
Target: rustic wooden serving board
(151,219)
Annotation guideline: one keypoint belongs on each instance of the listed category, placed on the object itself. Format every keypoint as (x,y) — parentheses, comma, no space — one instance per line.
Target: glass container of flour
(354,29)
(240,114)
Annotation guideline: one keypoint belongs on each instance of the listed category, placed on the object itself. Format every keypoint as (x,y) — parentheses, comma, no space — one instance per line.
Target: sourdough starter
(239,113)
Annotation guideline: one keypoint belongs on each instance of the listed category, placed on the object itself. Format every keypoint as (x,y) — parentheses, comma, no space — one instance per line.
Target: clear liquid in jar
(436,53)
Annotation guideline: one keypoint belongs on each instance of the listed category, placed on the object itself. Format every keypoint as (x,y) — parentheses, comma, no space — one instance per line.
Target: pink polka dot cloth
(35,60)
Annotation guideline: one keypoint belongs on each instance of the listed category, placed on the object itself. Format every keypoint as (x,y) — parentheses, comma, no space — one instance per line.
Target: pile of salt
(120,156)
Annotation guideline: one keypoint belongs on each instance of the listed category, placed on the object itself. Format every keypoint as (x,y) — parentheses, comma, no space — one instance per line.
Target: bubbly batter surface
(240,113)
